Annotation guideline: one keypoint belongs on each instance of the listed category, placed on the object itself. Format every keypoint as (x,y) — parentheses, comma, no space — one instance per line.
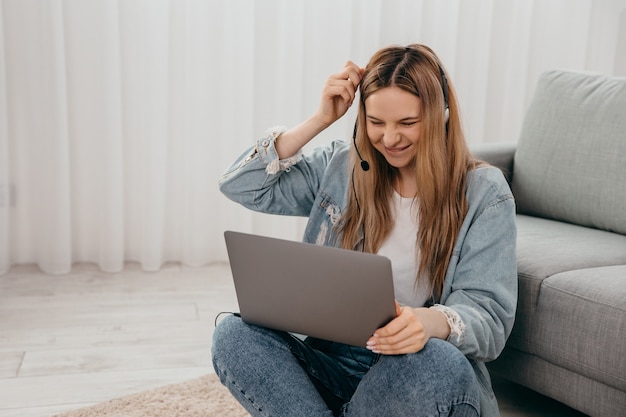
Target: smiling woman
(408,127)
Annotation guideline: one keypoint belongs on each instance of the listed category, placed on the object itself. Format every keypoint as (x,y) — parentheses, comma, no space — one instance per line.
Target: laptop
(328,293)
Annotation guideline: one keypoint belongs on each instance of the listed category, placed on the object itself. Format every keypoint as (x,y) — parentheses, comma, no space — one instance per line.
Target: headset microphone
(365,166)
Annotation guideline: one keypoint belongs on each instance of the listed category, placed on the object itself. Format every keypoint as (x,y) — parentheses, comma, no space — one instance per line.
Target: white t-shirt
(400,248)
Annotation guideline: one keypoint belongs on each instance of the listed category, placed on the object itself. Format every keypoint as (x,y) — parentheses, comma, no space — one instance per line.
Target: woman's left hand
(409,331)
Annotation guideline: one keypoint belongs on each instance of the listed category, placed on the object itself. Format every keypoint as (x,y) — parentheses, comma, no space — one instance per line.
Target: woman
(408,189)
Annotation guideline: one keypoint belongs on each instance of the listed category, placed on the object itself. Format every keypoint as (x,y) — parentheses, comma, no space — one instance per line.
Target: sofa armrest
(500,155)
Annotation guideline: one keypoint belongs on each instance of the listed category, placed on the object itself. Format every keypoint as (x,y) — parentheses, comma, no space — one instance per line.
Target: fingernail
(372,349)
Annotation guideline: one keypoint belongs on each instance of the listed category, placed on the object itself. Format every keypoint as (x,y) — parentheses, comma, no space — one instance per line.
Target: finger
(398,308)
(405,342)
(355,79)
(342,82)
(340,98)
(408,332)
(355,76)
(342,89)
(350,67)
(396,325)
(389,342)
(411,332)
(404,347)
(352,72)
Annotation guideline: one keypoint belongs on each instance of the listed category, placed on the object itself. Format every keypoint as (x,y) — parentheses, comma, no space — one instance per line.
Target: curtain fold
(92,37)
(6,193)
(118,117)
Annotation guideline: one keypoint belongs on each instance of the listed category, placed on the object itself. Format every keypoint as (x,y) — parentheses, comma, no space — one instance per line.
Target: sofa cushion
(570,162)
(548,247)
(583,324)
(576,390)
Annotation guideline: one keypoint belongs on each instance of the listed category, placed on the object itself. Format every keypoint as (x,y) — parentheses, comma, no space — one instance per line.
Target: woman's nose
(391,136)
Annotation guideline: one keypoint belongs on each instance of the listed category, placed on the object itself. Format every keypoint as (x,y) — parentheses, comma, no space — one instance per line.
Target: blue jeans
(272,373)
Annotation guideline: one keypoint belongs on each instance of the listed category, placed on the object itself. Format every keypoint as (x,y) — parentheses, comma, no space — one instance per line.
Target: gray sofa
(568,176)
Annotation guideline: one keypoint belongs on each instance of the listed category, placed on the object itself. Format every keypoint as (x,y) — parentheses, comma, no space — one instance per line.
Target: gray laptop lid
(329,293)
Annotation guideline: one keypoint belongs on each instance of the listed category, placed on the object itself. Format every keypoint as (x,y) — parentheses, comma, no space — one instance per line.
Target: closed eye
(409,122)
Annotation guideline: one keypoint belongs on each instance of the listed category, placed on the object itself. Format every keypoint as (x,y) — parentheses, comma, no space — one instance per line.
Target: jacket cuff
(267,151)
(457,327)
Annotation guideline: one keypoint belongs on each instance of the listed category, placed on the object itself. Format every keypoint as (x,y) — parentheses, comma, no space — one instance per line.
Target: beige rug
(202,397)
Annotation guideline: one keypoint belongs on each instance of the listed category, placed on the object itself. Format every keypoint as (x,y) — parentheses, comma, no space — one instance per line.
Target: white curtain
(118,117)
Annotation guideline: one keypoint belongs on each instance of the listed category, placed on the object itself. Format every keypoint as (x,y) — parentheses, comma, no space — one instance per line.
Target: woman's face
(393,118)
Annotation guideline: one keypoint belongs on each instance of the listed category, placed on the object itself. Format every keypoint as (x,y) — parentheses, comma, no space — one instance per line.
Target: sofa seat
(588,303)
(585,394)
(546,248)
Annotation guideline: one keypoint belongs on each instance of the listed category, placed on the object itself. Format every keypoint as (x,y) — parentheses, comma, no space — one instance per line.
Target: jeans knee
(225,330)
(449,362)
(457,380)
(226,338)
(439,380)
(236,343)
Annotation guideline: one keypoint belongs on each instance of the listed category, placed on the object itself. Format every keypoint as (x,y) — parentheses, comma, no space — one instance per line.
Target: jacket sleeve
(480,294)
(261,182)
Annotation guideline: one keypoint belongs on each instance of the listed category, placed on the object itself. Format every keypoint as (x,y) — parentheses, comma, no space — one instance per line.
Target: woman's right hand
(338,93)
(337,97)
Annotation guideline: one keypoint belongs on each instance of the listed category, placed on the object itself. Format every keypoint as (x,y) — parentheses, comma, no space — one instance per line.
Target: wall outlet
(7,195)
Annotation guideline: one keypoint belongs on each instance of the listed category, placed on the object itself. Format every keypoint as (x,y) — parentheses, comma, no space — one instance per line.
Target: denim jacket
(479,297)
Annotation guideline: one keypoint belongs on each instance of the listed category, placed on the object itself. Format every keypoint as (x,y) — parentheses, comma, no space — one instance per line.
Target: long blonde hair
(441,166)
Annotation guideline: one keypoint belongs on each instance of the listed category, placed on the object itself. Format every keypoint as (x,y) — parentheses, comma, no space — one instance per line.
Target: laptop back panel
(328,293)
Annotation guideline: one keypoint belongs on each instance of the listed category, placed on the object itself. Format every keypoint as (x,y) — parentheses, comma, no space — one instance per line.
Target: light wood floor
(78,339)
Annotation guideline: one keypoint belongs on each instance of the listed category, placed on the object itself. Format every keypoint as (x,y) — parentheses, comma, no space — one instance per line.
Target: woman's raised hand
(339,92)
(337,97)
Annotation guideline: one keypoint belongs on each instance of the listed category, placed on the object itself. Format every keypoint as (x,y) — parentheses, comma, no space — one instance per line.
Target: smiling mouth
(398,149)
